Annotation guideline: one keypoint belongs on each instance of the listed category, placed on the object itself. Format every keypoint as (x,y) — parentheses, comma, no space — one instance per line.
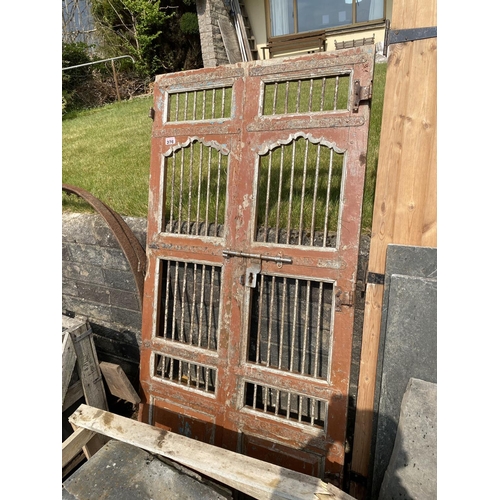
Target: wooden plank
(118,383)
(230,41)
(73,394)
(405,208)
(74,444)
(88,367)
(254,477)
(68,363)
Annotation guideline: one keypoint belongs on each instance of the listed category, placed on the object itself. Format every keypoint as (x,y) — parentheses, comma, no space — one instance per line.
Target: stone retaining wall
(97,283)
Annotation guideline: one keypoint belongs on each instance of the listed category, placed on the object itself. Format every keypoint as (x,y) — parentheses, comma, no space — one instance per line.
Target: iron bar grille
(200,104)
(195,190)
(299,194)
(189,303)
(285,404)
(306,95)
(292,325)
(202,378)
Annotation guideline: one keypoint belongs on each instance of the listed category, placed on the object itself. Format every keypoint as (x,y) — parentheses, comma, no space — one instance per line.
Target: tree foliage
(151,32)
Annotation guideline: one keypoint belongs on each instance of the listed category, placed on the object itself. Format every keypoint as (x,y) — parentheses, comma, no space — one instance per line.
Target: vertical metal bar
(171,370)
(204,104)
(186,102)
(310,95)
(288,405)
(282,324)
(179,376)
(290,202)
(313,410)
(318,330)
(278,203)
(172,162)
(265,396)
(181,188)
(336,93)
(167,288)
(213,104)
(193,303)
(327,205)
(299,409)
(270,321)
(163,367)
(323,85)
(208,189)
(306,328)
(198,200)
(303,194)
(202,299)
(287,87)
(299,88)
(278,401)
(197,373)
(259,320)
(190,190)
(210,313)
(275,97)
(268,189)
(316,177)
(195,102)
(217,193)
(223,102)
(294,324)
(177,107)
(174,307)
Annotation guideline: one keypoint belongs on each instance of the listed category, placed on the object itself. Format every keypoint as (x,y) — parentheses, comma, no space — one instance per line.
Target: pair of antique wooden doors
(256,186)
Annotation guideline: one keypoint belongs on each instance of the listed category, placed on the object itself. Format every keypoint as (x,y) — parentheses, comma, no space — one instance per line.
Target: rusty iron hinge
(357,478)
(407,35)
(361,94)
(343,299)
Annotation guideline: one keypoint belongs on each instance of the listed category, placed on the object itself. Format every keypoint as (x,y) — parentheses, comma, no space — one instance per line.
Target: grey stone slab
(119,471)
(410,350)
(122,280)
(412,470)
(78,228)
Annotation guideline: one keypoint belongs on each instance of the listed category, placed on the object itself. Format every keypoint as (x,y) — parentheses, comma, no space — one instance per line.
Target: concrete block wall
(98,284)
(209,12)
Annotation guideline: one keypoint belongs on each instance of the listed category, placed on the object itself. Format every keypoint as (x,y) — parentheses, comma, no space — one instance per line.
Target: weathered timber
(73,394)
(405,208)
(118,383)
(248,475)
(68,363)
(74,444)
(88,367)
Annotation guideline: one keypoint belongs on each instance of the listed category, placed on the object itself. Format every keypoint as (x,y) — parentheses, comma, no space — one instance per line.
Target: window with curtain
(297,16)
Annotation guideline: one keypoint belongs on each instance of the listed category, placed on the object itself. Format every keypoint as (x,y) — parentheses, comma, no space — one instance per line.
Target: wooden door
(257,174)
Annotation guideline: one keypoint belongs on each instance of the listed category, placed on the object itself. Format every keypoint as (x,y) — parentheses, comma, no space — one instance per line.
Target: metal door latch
(343,299)
(360,94)
(251,273)
(250,277)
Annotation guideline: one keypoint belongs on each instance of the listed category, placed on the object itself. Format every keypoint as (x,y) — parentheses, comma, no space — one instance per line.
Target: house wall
(257,17)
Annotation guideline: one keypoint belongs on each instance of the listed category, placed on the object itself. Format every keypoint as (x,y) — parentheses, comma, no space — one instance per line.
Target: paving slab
(412,470)
(120,471)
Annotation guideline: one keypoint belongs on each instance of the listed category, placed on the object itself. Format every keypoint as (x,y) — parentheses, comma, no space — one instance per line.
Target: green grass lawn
(107,152)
